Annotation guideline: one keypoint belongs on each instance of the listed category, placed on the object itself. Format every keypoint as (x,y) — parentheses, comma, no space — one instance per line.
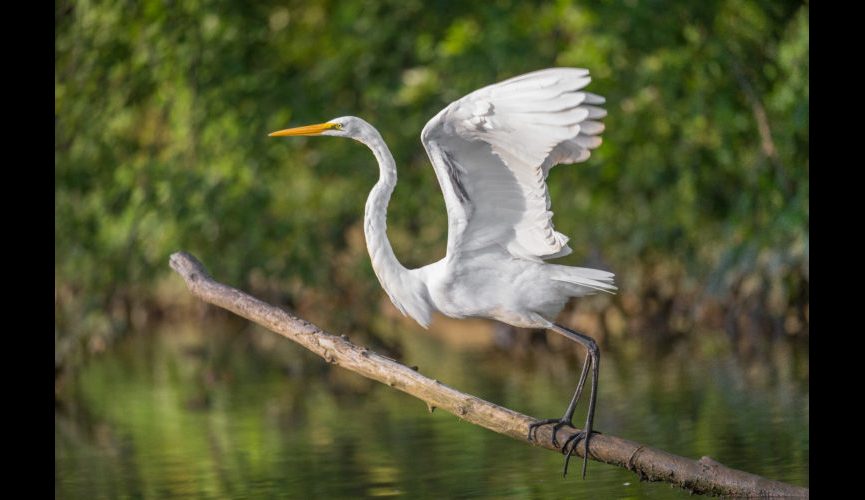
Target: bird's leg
(567,419)
(593,357)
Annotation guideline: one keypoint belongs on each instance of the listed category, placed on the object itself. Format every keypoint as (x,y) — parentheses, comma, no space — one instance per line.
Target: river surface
(226,410)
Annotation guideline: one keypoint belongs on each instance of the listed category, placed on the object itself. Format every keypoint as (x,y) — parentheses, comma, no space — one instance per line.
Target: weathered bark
(698,476)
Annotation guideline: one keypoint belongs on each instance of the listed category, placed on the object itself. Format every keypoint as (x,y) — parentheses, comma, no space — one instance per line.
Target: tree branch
(698,476)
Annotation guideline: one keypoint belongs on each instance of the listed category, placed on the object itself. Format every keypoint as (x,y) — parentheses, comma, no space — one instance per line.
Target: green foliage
(162,111)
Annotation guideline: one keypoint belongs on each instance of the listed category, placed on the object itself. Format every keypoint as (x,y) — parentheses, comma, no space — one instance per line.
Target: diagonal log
(650,464)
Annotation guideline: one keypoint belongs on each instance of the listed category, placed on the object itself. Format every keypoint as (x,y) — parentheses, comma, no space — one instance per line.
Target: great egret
(492,151)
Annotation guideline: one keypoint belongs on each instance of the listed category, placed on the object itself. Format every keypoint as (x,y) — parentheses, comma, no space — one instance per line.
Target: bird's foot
(559,423)
(570,446)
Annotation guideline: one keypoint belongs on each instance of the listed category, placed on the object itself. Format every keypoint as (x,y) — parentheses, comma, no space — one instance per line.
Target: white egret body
(492,151)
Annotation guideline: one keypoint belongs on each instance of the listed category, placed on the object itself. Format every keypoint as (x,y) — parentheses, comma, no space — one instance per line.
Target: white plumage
(492,151)
(503,140)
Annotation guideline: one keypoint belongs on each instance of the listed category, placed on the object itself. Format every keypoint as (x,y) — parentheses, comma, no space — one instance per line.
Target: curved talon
(533,428)
(556,430)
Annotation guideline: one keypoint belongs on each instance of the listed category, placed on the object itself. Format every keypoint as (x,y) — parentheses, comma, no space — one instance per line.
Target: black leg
(567,419)
(569,413)
(593,358)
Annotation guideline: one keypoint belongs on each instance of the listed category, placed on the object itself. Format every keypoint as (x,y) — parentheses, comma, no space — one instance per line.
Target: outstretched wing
(492,151)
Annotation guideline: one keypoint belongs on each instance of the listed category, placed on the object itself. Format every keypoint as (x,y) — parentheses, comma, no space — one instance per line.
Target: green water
(209,411)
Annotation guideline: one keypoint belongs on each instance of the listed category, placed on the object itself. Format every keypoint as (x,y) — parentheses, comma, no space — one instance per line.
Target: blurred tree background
(698,199)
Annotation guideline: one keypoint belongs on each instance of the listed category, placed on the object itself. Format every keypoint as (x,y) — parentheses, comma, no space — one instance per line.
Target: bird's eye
(338,126)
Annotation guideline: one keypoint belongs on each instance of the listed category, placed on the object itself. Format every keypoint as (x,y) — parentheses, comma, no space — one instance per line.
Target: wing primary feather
(591,127)
(594,98)
(595,112)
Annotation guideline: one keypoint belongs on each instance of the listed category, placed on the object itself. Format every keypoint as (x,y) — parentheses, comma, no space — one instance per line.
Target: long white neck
(384,261)
(405,289)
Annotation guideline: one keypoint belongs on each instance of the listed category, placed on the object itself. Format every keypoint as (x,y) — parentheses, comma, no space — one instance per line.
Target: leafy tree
(699,195)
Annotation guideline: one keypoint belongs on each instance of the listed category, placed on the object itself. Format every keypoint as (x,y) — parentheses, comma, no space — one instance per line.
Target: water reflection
(237,412)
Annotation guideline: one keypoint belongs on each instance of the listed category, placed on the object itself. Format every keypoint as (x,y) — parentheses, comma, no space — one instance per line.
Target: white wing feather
(493,149)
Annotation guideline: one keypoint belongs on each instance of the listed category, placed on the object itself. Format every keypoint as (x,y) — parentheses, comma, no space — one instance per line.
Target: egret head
(344,126)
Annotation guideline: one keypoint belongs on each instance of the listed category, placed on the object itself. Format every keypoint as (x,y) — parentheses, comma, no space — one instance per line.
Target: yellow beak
(307,130)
